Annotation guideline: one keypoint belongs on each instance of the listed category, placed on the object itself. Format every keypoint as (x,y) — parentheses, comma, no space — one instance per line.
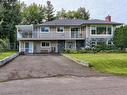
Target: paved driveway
(41,66)
(56,75)
(66,86)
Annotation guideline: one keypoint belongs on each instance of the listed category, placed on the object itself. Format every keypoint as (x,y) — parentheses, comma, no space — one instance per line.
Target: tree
(61,14)
(80,13)
(49,11)
(71,14)
(3,45)
(2,10)
(33,14)
(120,37)
(11,17)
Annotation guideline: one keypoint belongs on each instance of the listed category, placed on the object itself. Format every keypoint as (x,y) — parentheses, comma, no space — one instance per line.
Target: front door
(54,46)
(29,47)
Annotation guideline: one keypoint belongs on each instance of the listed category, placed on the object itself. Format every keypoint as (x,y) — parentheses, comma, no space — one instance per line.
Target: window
(109,42)
(109,30)
(75,33)
(60,29)
(75,29)
(45,44)
(101,30)
(93,30)
(100,43)
(93,44)
(45,29)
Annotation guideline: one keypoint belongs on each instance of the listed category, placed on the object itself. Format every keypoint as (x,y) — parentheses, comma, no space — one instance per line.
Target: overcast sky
(97,8)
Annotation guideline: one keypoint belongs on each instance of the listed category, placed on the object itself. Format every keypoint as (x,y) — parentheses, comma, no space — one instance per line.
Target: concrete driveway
(41,66)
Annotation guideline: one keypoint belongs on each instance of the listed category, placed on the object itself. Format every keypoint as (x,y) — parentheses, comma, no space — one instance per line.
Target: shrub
(103,48)
(70,51)
(3,45)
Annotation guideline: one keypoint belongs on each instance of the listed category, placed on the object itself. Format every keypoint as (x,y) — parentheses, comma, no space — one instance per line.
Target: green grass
(110,63)
(6,54)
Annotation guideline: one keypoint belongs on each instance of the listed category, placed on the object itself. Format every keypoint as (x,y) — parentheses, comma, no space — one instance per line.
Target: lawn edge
(86,64)
(8,59)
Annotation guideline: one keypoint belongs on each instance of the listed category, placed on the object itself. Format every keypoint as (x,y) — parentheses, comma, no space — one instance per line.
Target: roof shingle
(77,22)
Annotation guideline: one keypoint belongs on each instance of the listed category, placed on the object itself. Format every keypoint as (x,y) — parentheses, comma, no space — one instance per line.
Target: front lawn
(111,63)
(6,54)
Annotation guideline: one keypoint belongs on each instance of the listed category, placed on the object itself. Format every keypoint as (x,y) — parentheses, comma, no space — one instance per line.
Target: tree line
(13,12)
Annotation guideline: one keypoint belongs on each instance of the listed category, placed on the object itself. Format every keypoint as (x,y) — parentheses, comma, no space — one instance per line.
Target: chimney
(108,18)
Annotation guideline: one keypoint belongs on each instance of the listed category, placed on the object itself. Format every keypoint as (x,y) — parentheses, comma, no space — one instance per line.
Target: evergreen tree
(82,14)
(61,14)
(49,11)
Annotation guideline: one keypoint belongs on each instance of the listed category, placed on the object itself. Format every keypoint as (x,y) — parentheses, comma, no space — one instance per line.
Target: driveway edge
(8,59)
(76,60)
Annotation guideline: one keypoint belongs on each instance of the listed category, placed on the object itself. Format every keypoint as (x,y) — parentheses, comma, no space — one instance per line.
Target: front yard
(110,63)
(6,54)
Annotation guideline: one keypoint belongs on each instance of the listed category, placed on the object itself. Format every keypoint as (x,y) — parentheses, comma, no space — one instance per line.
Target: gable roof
(77,22)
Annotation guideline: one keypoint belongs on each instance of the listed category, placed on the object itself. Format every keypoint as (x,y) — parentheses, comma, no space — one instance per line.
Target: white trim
(59,27)
(24,45)
(99,35)
(20,46)
(31,50)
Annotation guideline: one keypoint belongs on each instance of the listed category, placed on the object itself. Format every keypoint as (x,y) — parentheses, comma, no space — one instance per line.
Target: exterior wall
(39,49)
(90,37)
(58,40)
(53,34)
(36,34)
(83,31)
(22,46)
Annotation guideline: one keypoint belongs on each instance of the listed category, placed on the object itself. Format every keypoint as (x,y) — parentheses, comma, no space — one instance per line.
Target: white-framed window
(109,30)
(109,42)
(93,43)
(45,29)
(60,29)
(93,30)
(45,44)
(101,30)
(75,32)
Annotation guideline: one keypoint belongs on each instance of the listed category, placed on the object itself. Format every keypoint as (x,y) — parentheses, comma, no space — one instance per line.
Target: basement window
(45,44)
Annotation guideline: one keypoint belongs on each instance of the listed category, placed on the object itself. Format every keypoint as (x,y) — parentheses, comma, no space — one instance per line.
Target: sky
(98,9)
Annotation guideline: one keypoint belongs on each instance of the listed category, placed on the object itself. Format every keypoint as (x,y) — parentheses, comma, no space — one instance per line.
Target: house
(62,34)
